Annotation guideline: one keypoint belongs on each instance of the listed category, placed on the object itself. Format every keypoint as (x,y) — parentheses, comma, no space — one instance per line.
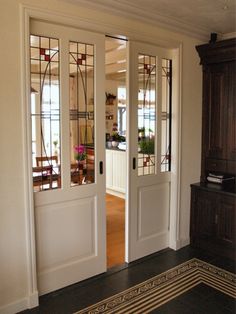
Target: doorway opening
(116,158)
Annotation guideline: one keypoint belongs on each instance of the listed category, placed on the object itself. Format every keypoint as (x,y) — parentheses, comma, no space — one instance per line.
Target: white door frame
(26,13)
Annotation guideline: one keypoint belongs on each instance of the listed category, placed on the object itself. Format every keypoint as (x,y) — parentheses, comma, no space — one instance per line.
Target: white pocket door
(149,150)
(68,119)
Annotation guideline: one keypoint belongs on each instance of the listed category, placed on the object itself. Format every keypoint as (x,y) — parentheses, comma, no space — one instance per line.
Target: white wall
(14,287)
(191,133)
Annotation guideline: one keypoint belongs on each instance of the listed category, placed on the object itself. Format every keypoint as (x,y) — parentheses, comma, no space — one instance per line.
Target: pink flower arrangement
(80,153)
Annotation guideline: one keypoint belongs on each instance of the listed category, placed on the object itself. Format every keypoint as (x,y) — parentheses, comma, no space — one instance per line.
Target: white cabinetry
(116,172)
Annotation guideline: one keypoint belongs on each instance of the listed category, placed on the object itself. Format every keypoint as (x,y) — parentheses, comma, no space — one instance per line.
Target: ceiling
(198,17)
(195,17)
(115,59)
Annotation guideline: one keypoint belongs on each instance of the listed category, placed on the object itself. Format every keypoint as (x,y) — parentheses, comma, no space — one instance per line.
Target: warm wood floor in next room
(115,207)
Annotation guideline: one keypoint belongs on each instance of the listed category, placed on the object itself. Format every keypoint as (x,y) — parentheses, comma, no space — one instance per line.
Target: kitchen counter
(121,147)
(116,172)
(116,149)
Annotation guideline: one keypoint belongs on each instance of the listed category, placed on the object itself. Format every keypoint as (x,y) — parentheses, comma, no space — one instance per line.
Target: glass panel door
(67,78)
(149,139)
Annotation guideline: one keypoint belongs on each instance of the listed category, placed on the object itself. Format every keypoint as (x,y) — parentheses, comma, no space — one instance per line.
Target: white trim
(131,11)
(179,244)
(115,193)
(128,153)
(176,138)
(28,12)
(98,26)
(184,242)
(20,305)
(27,166)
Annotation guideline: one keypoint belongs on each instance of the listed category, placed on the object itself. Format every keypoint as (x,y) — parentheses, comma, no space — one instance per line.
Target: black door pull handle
(101,167)
(134,163)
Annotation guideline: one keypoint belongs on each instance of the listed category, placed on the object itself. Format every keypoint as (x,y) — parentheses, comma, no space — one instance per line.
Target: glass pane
(166,116)
(45,112)
(34,41)
(81,113)
(146,114)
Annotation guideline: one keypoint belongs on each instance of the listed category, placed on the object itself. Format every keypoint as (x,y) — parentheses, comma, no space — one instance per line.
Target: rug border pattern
(158,288)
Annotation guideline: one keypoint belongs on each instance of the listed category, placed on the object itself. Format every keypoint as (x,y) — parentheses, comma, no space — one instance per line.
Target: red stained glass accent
(145,66)
(83,56)
(47,58)
(79,61)
(42,51)
(145,164)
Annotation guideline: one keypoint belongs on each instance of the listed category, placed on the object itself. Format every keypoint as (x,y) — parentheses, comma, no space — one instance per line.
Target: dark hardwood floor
(201,299)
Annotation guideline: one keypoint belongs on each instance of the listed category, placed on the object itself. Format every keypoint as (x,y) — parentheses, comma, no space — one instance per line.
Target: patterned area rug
(162,288)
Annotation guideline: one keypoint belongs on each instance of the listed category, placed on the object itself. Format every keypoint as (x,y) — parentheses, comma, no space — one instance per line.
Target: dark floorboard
(201,299)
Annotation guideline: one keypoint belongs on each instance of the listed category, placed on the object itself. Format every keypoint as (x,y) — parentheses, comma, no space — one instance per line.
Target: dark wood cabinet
(219,107)
(219,119)
(213,206)
(213,220)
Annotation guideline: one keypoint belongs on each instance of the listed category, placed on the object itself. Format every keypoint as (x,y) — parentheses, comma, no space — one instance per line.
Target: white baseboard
(20,305)
(175,245)
(33,300)
(115,193)
(184,242)
(179,244)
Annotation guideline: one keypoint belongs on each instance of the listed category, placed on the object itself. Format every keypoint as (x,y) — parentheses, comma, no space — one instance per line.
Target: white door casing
(26,13)
(147,228)
(70,221)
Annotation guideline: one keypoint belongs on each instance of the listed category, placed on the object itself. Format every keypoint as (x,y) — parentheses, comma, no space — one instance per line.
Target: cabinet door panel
(216,80)
(205,215)
(231,117)
(226,223)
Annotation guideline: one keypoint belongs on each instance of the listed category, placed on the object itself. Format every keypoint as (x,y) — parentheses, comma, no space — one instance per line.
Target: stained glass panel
(81,58)
(146,114)
(166,115)
(45,112)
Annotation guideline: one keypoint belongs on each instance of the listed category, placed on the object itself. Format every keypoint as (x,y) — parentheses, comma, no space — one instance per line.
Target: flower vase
(114,144)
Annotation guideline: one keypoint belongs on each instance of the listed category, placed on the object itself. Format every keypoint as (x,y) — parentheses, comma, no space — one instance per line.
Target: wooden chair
(42,175)
(46,160)
(52,161)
